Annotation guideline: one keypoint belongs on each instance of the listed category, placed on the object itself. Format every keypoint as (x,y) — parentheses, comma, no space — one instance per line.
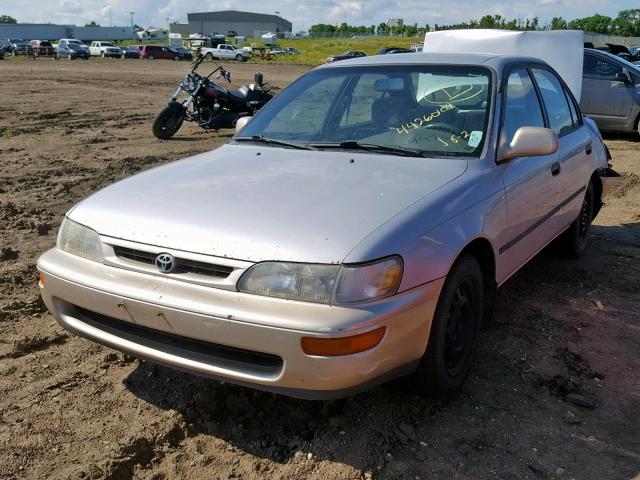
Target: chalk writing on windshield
(420,121)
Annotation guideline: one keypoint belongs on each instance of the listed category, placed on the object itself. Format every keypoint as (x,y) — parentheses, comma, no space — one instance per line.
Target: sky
(303,13)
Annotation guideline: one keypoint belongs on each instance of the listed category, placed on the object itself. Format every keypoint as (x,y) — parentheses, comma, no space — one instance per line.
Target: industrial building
(246,24)
(50,31)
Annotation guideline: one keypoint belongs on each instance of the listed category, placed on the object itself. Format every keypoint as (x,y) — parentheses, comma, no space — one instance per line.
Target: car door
(605,98)
(532,184)
(575,147)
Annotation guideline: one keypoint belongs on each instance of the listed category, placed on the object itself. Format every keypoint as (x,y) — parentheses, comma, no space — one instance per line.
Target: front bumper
(236,337)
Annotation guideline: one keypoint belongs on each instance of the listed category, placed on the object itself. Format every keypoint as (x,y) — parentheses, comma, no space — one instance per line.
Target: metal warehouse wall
(33,31)
(246,29)
(55,32)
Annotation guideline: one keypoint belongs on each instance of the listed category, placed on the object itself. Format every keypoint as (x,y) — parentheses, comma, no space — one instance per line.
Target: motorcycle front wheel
(168,121)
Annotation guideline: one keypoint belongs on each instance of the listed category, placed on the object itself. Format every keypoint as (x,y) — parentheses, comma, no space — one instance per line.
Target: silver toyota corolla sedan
(356,229)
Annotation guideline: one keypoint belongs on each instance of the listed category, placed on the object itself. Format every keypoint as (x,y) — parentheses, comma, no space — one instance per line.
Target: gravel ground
(565,331)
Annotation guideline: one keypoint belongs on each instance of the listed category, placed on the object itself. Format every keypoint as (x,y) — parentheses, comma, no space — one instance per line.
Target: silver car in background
(611,91)
(355,230)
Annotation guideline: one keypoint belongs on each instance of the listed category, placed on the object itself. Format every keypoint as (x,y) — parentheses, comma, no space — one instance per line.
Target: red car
(155,51)
(43,48)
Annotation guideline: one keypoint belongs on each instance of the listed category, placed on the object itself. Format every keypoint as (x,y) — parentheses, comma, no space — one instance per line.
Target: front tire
(168,121)
(176,58)
(575,240)
(454,330)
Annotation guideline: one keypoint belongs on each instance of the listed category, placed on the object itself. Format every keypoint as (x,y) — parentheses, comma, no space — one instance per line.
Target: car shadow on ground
(524,367)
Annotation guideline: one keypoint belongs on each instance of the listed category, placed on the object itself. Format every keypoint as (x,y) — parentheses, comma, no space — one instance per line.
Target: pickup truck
(105,49)
(225,52)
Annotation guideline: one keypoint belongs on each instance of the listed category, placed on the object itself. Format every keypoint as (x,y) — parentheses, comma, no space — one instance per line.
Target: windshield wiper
(371,147)
(271,141)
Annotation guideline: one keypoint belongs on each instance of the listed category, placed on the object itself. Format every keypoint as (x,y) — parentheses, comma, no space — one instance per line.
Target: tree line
(626,24)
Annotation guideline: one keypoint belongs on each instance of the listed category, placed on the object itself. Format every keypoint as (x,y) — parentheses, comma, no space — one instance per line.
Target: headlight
(330,284)
(79,240)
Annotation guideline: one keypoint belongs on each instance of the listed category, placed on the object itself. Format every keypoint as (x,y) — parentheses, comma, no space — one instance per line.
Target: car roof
(492,60)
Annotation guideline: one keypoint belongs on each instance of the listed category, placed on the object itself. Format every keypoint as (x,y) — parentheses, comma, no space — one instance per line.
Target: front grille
(230,358)
(183,265)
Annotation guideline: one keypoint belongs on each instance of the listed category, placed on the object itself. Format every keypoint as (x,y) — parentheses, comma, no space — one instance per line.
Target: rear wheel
(454,330)
(176,58)
(574,241)
(151,57)
(168,121)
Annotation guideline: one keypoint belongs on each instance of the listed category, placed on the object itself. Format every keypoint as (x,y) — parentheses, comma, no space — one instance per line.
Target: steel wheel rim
(459,328)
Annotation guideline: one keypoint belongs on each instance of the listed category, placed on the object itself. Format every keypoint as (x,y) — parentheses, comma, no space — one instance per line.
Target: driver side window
(600,68)
(522,107)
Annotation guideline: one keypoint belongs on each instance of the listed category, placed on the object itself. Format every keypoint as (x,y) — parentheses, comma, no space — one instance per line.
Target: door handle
(555,169)
(588,148)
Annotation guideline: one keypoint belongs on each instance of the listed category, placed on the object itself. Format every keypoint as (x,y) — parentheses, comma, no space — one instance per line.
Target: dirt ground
(72,409)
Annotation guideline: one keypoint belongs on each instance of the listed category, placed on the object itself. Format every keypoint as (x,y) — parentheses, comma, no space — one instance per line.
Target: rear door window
(555,101)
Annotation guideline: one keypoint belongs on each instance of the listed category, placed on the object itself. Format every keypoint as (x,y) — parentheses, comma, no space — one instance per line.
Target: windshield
(432,109)
(106,44)
(74,46)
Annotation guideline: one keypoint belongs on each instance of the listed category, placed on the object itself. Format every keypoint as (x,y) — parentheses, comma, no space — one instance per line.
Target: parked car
(71,49)
(5,45)
(225,52)
(105,49)
(130,51)
(20,47)
(385,50)
(152,52)
(345,56)
(278,51)
(354,230)
(610,91)
(183,52)
(43,48)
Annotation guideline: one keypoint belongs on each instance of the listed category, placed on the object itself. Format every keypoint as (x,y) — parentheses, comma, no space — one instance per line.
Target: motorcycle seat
(240,93)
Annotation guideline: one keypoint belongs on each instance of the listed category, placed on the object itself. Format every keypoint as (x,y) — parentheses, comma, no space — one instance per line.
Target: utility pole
(132,14)
(110,23)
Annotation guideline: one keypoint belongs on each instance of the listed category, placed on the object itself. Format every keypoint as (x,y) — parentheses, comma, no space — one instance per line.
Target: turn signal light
(40,279)
(333,347)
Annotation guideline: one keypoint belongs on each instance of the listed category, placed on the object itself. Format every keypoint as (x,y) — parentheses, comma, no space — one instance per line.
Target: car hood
(260,203)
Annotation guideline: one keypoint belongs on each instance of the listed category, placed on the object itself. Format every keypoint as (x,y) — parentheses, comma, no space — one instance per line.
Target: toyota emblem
(165,262)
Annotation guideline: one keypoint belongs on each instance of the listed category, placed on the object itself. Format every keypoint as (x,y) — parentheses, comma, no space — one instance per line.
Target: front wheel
(168,121)
(454,330)
(176,58)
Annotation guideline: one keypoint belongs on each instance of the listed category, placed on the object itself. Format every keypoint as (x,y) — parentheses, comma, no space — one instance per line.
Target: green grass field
(314,50)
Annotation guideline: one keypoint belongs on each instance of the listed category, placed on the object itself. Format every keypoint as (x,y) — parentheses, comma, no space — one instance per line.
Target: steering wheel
(441,126)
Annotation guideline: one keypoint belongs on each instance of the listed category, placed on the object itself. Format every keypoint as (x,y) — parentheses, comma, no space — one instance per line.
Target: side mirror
(622,77)
(242,121)
(529,142)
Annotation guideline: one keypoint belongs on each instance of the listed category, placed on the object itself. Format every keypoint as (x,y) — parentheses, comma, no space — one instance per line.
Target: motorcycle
(208,104)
